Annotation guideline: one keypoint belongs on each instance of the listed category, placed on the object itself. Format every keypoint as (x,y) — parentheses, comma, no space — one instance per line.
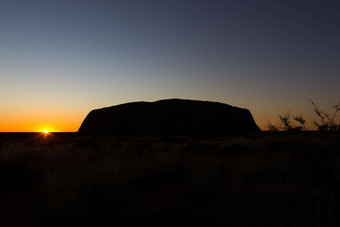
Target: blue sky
(61,59)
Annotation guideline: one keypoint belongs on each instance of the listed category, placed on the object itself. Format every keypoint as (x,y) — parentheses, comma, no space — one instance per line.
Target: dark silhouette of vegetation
(74,180)
(289,126)
(301,120)
(325,121)
(272,127)
(286,123)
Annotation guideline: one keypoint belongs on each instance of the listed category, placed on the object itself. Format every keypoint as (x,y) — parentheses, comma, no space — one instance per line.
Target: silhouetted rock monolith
(169,117)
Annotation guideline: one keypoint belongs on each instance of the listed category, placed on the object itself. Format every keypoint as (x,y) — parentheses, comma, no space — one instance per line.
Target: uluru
(169,117)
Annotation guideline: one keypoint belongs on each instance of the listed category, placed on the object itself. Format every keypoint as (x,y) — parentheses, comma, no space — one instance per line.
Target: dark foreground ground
(258,180)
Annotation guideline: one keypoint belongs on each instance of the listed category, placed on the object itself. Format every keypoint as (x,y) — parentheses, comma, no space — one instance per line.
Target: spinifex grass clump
(288,126)
(325,122)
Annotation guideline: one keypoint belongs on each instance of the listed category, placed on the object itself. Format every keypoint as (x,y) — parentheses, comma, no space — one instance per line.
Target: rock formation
(169,117)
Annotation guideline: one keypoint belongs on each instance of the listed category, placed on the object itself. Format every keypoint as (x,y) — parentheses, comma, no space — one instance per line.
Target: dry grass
(260,180)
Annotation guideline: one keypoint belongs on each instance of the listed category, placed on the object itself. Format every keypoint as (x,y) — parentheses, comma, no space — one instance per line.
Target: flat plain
(264,179)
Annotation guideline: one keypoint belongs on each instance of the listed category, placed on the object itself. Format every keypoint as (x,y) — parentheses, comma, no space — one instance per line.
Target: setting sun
(46,131)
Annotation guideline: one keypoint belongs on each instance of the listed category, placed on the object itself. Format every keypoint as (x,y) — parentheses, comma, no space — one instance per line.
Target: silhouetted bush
(325,122)
(272,127)
(287,125)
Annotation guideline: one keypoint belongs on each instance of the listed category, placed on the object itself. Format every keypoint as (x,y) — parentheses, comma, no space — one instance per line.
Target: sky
(61,59)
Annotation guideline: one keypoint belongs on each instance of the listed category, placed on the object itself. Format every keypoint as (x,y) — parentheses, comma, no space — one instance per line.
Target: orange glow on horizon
(39,122)
(55,123)
(61,120)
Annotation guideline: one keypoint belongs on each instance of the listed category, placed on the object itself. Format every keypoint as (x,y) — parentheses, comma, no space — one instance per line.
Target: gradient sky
(61,59)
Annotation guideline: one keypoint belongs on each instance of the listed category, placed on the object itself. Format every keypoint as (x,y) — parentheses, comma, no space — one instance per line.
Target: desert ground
(263,179)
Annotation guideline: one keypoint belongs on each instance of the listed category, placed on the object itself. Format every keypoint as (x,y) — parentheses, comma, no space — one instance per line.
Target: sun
(45,130)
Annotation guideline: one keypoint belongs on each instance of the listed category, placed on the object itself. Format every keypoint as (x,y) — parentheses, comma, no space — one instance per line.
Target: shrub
(272,127)
(326,121)
(288,126)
